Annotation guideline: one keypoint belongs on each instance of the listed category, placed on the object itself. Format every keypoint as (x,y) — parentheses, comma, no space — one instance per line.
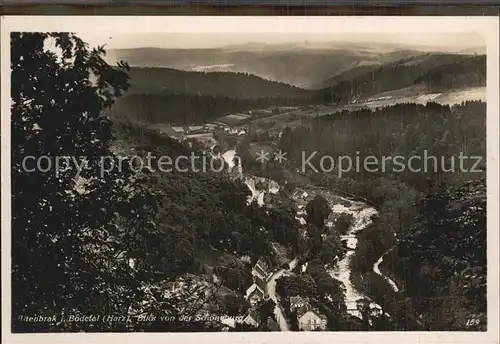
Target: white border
(488,27)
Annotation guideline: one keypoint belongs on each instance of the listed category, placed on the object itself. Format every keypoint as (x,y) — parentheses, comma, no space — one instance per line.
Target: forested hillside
(348,75)
(464,71)
(184,109)
(184,97)
(437,212)
(180,97)
(303,66)
(147,80)
(404,130)
(129,241)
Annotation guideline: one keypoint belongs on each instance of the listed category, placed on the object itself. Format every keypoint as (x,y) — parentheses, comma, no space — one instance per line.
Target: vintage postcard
(334,177)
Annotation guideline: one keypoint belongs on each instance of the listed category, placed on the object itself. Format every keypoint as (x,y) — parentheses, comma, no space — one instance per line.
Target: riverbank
(354,281)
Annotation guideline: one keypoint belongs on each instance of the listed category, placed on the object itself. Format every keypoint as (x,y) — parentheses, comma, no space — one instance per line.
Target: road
(271,290)
(278,311)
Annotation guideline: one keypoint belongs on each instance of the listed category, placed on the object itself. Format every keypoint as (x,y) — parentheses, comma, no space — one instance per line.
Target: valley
(359,266)
(261,244)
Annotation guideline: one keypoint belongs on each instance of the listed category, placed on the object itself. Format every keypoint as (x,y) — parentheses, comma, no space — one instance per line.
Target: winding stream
(342,270)
(362,215)
(387,279)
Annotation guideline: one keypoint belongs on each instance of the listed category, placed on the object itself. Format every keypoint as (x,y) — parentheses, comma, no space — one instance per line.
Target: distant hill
(147,80)
(187,97)
(363,82)
(468,72)
(348,75)
(181,97)
(294,65)
(363,67)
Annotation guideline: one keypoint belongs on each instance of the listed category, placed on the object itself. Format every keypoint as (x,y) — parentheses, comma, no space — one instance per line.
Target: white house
(312,320)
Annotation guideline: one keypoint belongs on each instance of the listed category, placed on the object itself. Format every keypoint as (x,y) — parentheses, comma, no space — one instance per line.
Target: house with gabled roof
(310,319)
(261,270)
(252,318)
(257,291)
(298,302)
(300,194)
(255,295)
(260,283)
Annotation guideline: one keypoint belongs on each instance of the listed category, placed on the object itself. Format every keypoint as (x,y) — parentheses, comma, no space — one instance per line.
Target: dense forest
(435,218)
(182,109)
(409,71)
(135,241)
(303,66)
(184,97)
(127,242)
(348,75)
(180,97)
(468,72)
(147,80)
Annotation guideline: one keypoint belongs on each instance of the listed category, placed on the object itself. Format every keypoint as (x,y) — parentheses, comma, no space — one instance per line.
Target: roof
(260,271)
(254,289)
(302,310)
(297,299)
(260,283)
(299,193)
(257,291)
(220,124)
(313,311)
(201,134)
(233,119)
(252,312)
(263,264)
(250,290)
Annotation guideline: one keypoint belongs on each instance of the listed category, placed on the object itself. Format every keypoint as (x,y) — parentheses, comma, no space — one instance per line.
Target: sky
(430,41)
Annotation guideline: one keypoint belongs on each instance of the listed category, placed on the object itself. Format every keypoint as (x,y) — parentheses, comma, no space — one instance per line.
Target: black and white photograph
(267,175)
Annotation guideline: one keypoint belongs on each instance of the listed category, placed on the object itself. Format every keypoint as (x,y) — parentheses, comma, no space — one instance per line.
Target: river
(362,217)
(342,270)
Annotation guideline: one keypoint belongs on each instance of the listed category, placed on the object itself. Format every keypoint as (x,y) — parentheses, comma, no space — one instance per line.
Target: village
(296,312)
(268,122)
(263,289)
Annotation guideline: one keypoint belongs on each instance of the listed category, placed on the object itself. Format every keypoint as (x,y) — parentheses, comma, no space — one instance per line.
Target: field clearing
(414,94)
(445,98)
